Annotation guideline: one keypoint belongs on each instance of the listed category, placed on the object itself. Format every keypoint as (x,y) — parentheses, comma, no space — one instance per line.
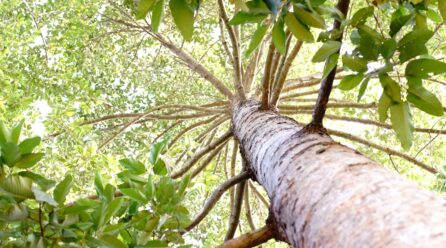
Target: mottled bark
(324,194)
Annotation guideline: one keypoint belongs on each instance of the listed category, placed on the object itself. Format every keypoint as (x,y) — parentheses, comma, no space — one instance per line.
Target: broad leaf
(44,184)
(330,65)
(183,17)
(157,15)
(143,8)
(388,48)
(156,150)
(350,81)
(278,36)
(421,68)
(363,87)
(160,168)
(28,145)
(43,197)
(360,17)
(62,189)
(308,18)
(10,153)
(15,132)
(17,186)
(442,8)
(422,98)
(402,123)
(256,39)
(328,48)
(383,106)
(133,165)
(354,63)
(243,17)
(28,160)
(134,194)
(298,29)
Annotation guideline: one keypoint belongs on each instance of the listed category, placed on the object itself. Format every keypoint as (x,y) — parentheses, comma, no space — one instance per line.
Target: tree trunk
(324,194)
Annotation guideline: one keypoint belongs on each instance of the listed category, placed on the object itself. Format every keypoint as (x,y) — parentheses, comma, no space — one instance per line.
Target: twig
(252,239)
(234,218)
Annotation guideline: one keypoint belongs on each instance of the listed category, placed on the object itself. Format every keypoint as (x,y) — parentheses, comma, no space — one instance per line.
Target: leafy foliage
(144,210)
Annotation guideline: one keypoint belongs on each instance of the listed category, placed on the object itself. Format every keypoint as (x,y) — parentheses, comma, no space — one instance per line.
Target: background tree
(258,43)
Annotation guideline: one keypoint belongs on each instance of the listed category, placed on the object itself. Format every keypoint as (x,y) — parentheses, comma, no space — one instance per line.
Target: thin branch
(234,218)
(189,128)
(232,169)
(213,199)
(166,130)
(194,159)
(235,52)
(374,123)
(208,160)
(384,149)
(259,195)
(279,61)
(327,83)
(223,40)
(248,212)
(213,126)
(252,239)
(284,73)
(267,77)
(250,73)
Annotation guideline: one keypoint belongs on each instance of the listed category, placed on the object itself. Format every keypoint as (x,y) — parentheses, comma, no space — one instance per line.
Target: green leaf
(391,88)
(278,36)
(16,186)
(417,36)
(433,15)
(330,65)
(402,123)
(256,39)
(160,168)
(98,184)
(113,229)
(298,29)
(157,15)
(133,165)
(112,241)
(354,63)
(44,184)
(388,48)
(422,98)
(43,197)
(184,184)
(311,19)
(243,17)
(350,81)
(412,50)
(328,48)
(10,153)
(360,17)
(28,160)
(442,8)
(156,150)
(383,105)
(62,189)
(397,22)
(183,16)
(5,134)
(16,212)
(363,87)
(15,132)
(370,43)
(165,190)
(112,208)
(134,194)
(143,8)
(421,68)
(420,21)
(28,145)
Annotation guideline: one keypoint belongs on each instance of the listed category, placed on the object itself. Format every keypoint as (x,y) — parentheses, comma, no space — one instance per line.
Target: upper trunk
(324,194)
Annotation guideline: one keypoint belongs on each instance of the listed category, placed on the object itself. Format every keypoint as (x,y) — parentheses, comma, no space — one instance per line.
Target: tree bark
(324,194)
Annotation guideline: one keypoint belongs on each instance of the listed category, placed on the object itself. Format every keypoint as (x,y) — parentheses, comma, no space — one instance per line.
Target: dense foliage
(65,63)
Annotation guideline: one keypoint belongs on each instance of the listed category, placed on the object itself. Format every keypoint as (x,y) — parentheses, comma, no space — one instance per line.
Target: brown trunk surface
(324,194)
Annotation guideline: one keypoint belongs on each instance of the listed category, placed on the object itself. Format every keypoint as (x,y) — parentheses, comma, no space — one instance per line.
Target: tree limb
(248,212)
(234,218)
(267,77)
(194,159)
(213,199)
(327,83)
(252,239)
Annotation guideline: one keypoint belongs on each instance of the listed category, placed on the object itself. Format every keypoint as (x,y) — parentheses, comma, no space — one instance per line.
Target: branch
(248,210)
(235,52)
(260,196)
(375,123)
(284,73)
(267,77)
(166,130)
(214,125)
(295,95)
(194,159)
(252,239)
(235,211)
(327,83)
(189,128)
(232,169)
(371,105)
(250,73)
(208,160)
(213,199)
(384,149)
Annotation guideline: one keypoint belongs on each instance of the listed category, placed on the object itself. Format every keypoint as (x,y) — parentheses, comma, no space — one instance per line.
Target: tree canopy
(115,125)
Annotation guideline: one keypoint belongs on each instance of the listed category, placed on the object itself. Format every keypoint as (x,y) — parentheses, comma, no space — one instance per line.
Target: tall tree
(321,193)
